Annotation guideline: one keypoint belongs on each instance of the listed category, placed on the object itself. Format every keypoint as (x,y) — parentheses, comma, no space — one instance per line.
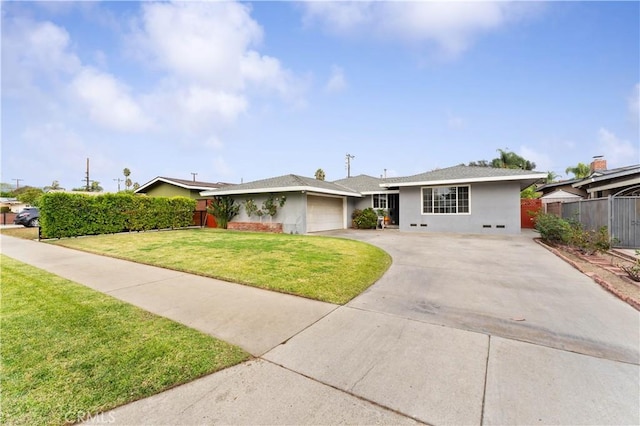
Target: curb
(598,279)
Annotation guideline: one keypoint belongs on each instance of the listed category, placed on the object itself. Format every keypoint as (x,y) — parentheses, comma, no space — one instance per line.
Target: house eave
(620,184)
(311,189)
(531,177)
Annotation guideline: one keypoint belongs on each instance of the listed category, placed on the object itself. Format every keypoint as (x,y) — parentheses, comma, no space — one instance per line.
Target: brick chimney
(597,164)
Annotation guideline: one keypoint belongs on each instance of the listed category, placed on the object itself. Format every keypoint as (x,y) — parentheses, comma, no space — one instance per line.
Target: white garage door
(324,213)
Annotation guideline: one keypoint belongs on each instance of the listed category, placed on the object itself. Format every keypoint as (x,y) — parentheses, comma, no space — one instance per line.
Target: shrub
(633,271)
(553,229)
(365,219)
(588,242)
(223,209)
(70,215)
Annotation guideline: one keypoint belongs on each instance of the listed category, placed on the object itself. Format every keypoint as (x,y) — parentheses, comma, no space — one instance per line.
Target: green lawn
(329,269)
(22,232)
(70,352)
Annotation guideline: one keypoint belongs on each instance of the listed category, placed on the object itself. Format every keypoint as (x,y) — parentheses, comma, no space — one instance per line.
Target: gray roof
(362,183)
(285,183)
(605,175)
(466,174)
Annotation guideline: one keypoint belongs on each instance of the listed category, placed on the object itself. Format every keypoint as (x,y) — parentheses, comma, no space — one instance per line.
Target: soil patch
(603,268)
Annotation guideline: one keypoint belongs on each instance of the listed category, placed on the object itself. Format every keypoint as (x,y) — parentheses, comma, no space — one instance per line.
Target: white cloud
(337,81)
(454,121)
(109,102)
(451,26)
(211,68)
(33,55)
(617,152)
(542,160)
(634,104)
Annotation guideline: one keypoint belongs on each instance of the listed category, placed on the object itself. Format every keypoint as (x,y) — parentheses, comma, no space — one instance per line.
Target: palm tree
(320,174)
(552,177)
(511,160)
(581,171)
(127,182)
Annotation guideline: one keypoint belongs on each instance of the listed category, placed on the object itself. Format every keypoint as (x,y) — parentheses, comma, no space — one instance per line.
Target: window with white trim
(379,201)
(445,200)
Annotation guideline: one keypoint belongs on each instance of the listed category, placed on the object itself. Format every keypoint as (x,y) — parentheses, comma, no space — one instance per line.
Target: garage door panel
(324,213)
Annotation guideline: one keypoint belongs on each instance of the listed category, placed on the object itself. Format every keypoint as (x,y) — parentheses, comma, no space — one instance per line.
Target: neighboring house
(603,183)
(455,199)
(463,199)
(14,205)
(560,196)
(373,195)
(171,187)
(311,205)
(566,186)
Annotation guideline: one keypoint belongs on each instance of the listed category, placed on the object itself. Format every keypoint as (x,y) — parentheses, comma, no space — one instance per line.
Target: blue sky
(244,91)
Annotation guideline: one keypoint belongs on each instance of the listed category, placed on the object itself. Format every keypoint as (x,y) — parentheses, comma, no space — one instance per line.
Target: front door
(394,208)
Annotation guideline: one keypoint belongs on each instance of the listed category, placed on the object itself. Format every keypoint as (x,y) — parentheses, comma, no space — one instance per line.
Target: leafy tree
(320,174)
(55,185)
(95,186)
(29,195)
(529,192)
(580,171)
(6,187)
(511,160)
(480,163)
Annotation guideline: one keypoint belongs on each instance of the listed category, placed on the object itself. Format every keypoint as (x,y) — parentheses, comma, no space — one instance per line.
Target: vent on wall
(486,226)
(500,226)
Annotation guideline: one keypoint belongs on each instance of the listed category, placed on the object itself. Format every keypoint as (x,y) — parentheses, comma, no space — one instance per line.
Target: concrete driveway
(461,330)
(478,330)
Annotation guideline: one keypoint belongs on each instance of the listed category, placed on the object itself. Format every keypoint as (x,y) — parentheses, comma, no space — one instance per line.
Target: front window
(445,200)
(379,201)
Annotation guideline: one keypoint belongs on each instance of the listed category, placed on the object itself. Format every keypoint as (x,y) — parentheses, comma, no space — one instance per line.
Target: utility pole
(88,185)
(18,182)
(118,180)
(194,176)
(348,159)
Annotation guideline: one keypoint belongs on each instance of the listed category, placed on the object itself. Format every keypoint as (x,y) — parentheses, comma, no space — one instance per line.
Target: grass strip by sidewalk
(70,352)
(323,268)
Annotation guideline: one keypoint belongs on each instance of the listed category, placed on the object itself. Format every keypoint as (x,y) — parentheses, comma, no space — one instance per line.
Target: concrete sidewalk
(254,319)
(460,330)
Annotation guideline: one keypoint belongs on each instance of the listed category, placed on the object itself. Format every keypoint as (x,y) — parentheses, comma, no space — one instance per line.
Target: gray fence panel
(594,214)
(625,222)
(621,215)
(571,210)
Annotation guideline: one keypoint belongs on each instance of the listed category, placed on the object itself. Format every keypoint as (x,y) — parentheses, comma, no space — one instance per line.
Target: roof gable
(182,183)
(362,183)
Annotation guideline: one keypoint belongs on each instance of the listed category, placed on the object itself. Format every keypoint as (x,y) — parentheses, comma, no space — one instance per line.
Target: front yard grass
(328,269)
(69,352)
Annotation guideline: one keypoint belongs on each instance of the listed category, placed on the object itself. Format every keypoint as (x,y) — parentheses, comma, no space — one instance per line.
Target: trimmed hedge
(72,215)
